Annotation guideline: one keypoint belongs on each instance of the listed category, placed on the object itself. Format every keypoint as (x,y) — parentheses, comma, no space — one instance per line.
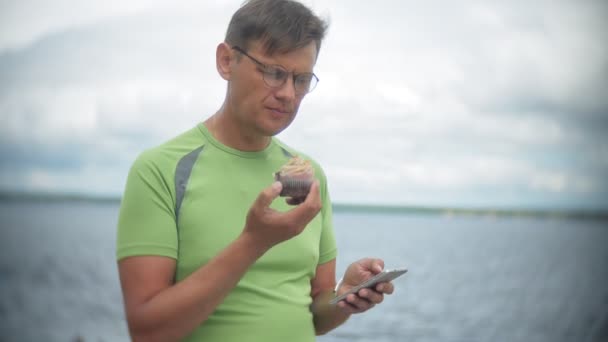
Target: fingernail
(276,186)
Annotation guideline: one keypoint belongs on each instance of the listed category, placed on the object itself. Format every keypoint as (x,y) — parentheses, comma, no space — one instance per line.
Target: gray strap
(182,175)
(286,153)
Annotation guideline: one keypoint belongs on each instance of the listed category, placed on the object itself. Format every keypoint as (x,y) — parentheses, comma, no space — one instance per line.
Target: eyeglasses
(275,76)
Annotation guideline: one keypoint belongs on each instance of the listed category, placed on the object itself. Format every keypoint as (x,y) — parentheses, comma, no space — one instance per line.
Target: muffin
(296,176)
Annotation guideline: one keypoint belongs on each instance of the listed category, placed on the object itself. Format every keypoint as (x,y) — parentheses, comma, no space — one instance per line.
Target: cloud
(109,89)
(434,103)
(24,22)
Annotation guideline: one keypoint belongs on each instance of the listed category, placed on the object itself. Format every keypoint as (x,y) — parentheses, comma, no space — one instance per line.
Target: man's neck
(225,130)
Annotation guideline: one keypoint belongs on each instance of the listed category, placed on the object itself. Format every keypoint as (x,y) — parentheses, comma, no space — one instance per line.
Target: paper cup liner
(294,186)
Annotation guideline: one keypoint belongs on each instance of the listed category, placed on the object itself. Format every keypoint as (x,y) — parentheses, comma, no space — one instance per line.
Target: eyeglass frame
(314,80)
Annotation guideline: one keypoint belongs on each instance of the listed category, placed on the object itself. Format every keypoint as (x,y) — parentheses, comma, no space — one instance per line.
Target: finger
(347,308)
(372,265)
(360,303)
(309,208)
(295,200)
(372,296)
(314,195)
(376,265)
(268,195)
(386,288)
(312,203)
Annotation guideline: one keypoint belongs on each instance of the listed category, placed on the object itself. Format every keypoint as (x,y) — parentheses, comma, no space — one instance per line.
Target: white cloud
(23,22)
(419,103)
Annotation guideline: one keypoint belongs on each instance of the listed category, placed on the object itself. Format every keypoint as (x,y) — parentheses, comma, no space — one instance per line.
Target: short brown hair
(281,25)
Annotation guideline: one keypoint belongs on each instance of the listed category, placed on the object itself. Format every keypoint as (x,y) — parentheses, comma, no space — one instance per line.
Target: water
(482,279)
(471,278)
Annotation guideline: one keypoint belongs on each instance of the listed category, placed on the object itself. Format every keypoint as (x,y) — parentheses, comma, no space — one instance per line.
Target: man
(207,251)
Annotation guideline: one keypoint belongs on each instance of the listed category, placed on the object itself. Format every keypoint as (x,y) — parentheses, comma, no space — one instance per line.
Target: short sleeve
(327,248)
(146,222)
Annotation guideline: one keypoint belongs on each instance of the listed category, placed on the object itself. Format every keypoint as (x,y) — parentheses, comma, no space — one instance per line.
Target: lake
(471,278)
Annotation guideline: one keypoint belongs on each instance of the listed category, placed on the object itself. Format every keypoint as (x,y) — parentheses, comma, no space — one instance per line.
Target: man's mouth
(281,111)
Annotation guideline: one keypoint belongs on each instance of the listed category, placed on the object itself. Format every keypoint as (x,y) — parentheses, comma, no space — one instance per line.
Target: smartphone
(382,277)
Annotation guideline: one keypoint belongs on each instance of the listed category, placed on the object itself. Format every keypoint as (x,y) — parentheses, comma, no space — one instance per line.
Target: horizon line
(446,210)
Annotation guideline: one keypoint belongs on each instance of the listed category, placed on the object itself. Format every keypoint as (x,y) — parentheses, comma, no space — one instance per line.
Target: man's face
(261,109)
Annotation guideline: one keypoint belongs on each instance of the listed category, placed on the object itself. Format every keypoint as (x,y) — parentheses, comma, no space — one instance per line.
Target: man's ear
(223,57)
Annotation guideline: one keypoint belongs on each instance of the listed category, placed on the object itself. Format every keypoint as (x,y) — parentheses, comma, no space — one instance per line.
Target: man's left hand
(364,299)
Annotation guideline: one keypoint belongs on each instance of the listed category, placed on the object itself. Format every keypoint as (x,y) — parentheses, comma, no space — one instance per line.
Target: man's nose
(287,91)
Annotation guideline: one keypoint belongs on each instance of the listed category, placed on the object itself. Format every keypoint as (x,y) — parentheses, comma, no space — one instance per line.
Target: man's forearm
(179,309)
(326,317)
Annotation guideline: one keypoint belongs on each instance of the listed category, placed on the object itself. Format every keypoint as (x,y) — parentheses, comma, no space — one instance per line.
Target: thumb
(268,195)
(377,265)
(373,265)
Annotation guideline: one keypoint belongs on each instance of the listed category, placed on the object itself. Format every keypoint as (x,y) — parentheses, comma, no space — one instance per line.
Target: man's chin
(272,130)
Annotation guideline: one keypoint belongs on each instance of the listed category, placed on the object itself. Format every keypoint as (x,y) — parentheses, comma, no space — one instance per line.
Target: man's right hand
(268,227)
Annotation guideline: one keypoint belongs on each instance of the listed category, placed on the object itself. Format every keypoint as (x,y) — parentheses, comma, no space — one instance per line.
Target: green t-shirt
(188,199)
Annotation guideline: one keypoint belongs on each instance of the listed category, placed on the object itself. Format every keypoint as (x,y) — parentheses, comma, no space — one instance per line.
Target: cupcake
(296,176)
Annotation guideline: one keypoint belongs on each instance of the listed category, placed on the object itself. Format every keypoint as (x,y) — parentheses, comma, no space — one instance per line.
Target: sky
(499,104)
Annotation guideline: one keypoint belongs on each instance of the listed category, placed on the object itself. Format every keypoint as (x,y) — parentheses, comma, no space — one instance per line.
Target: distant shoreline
(482,212)
(349,207)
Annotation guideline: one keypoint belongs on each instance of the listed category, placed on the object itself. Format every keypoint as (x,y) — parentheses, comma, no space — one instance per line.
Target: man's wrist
(253,245)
